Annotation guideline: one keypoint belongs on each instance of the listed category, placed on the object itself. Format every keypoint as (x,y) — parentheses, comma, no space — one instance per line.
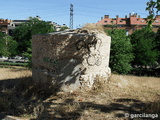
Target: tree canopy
(23,33)
(157,41)
(153,7)
(121,51)
(7,45)
(144,47)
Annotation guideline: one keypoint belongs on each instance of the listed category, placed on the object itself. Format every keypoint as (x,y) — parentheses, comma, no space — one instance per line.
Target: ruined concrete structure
(70,60)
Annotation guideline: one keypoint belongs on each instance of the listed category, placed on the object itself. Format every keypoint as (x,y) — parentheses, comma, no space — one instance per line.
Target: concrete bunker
(70,60)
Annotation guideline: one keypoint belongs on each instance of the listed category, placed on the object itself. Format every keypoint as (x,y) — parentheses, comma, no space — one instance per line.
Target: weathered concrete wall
(70,60)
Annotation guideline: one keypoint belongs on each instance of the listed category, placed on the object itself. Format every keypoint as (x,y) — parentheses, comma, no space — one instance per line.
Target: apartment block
(130,24)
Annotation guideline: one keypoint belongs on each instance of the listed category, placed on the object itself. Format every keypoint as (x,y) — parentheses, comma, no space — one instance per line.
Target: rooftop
(133,19)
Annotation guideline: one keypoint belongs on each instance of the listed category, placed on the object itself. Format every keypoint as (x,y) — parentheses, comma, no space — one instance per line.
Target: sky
(84,11)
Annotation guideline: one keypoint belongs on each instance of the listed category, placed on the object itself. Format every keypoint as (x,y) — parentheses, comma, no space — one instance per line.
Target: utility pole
(71,16)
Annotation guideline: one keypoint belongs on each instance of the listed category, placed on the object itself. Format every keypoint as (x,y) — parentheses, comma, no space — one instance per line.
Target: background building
(130,24)
(4,25)
(13,24)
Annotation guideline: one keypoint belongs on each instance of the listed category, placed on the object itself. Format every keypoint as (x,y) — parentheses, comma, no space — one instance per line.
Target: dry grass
(7,73)
(93,26)
(18,93)
(135,81)
(106,101)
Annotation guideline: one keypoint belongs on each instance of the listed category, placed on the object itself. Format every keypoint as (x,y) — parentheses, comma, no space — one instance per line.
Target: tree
(157,41)
(23,33)
(144,47)
(7,45)
(153,6)
(121,51)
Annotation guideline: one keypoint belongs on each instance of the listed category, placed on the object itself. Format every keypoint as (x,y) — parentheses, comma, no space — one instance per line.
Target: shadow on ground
(71,110)
(21,96)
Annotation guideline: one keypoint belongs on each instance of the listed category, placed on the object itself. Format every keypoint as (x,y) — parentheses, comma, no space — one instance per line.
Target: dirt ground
(120,98)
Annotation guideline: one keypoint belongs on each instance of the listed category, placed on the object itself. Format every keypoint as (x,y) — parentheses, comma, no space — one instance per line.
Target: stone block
(70,60)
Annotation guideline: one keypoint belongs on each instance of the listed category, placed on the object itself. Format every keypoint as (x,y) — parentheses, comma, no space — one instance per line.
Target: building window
(105,21)
(156,21)
(142,21)
(120,21)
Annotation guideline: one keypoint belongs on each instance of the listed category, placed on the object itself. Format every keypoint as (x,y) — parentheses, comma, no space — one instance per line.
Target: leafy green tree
(23,33)
(157,41)
(7,45)
(144,47)
(153,7)
(121,51)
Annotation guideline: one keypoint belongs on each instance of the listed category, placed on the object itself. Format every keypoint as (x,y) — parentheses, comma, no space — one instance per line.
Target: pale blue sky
(85,11)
